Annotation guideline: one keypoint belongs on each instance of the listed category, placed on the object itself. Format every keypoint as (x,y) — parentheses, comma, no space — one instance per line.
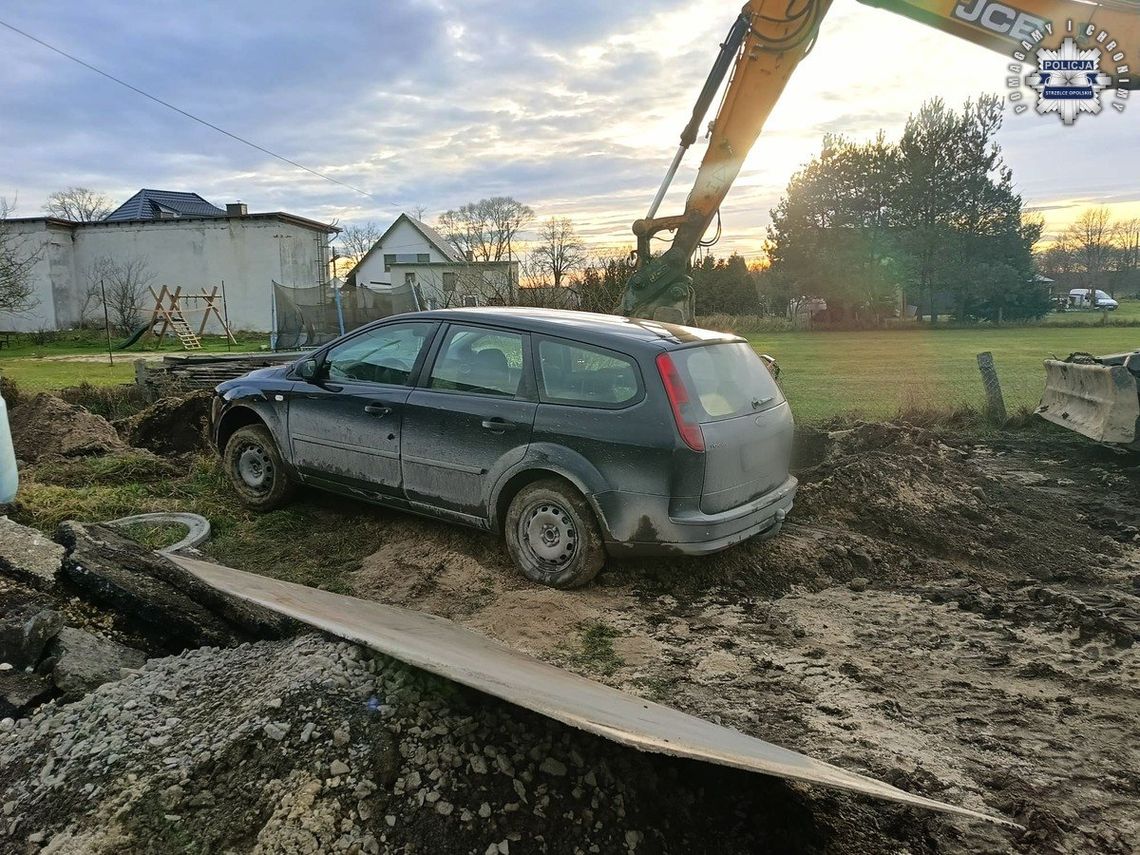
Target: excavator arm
(763,48)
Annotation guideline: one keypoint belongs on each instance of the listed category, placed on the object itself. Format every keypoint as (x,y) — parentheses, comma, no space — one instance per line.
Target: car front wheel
(256,470)
(552,535)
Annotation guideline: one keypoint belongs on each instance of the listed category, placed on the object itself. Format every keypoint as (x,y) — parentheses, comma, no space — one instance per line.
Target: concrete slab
(28,555)
(441,647)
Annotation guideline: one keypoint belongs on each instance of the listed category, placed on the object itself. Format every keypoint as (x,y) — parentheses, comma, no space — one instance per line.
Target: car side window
(573,374)
(488,362)
(383,355)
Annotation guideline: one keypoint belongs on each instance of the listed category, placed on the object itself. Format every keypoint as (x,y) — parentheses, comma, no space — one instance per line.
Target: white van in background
(1079,299)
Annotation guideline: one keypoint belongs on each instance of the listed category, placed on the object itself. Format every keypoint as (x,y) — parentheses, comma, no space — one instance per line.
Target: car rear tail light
(679,401)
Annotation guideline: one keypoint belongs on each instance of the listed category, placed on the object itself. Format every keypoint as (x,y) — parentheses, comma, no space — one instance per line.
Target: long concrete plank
(442,647)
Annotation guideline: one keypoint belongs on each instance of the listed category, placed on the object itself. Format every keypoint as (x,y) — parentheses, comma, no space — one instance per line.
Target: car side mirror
(309,370)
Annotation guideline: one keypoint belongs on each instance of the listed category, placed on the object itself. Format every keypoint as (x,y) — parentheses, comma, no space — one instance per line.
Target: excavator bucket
(1098,397)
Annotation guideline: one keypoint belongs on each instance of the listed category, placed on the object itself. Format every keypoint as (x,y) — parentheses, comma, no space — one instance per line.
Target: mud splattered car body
(676,438)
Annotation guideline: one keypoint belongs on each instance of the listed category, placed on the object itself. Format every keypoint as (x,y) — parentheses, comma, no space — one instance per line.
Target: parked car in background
(573,434)
(1082,298)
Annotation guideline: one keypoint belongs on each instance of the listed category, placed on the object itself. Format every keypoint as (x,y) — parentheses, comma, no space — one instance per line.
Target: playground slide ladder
(186,335)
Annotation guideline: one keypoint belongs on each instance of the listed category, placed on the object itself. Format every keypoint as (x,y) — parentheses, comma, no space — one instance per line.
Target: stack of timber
(185,371)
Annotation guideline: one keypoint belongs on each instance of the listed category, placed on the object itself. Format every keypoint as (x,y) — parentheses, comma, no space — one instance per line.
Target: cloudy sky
(572,107)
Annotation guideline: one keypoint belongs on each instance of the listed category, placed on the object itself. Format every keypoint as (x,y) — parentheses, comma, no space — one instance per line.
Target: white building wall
(246,253)
(50,243)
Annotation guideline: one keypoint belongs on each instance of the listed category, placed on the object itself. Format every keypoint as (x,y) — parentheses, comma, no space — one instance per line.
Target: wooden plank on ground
(444,648)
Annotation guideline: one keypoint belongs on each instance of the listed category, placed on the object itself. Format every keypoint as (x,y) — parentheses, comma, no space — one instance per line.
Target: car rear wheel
(552,535)
(256,470)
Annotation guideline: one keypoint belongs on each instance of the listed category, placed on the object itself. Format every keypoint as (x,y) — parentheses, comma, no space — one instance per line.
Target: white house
(182,240)
(412,253)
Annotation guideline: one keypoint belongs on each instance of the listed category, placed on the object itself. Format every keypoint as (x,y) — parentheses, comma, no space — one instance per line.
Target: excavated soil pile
(308,745)
(956,617)
(46,426)
(906,486)
(174,425)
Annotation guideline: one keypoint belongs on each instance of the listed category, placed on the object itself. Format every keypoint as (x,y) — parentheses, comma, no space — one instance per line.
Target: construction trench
(951,617)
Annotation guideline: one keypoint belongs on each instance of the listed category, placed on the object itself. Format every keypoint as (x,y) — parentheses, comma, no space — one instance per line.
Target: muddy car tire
(552,535)
(254,466)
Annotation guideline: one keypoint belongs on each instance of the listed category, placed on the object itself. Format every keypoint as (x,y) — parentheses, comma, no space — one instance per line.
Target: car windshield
(726,380)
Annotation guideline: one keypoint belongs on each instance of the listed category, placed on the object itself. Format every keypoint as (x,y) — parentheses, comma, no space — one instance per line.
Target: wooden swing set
(169,311)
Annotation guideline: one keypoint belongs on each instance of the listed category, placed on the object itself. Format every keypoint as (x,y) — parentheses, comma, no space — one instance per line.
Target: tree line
(932,217)
(1094,251)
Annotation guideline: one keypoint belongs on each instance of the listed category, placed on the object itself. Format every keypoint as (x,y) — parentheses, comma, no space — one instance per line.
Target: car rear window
(726,380)
(586,376)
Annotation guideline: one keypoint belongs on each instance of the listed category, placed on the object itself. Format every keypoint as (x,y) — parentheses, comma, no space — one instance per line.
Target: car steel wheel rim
(255,468)
(547,532)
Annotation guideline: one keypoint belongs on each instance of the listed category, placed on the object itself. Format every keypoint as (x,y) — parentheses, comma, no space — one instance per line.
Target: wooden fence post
(995,404)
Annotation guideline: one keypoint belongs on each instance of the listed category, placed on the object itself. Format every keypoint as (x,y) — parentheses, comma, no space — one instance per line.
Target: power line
(182,112)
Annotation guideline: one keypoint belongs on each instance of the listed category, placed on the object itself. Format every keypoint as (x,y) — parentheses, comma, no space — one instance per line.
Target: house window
(423,258)
(389,260)
(448,282)
(410,280)
(470,300)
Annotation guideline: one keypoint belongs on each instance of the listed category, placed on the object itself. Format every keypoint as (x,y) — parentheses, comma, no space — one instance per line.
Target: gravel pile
(308,745)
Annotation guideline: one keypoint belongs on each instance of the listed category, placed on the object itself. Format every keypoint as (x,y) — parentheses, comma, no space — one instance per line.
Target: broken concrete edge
(152,592)
(482,664)
(28,555)
(85,661)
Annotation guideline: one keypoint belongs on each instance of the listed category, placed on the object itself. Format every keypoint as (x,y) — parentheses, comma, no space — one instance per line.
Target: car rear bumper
(639,524)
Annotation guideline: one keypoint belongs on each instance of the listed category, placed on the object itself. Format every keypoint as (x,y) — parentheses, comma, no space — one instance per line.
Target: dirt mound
(905,485)
(10,391)
(174,425)
(312,746)
(46,426)
(934,605)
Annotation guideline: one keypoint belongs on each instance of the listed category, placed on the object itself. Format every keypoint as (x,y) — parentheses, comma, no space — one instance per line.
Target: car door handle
(378,410)
(498,425)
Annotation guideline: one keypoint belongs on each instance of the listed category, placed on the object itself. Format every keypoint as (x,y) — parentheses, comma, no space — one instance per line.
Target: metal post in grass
(995,403)
(107,323)
(226,316)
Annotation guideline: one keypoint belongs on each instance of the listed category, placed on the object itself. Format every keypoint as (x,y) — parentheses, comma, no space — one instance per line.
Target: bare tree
(355,241)
(1090,239)
(558,251)
(1126,239)
(81,204)
(485,230)
(124,283)
(1058,260)
(17,290)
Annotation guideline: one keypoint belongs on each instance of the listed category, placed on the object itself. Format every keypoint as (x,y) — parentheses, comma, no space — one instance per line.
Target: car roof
(584,326)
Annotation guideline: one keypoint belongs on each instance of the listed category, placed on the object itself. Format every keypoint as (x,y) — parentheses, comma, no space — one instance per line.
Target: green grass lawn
(36,375)
(1128,312)
(878,373)
(37,367)
(875,373)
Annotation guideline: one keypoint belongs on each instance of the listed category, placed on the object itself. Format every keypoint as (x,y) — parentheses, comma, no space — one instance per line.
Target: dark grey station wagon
(573,434)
